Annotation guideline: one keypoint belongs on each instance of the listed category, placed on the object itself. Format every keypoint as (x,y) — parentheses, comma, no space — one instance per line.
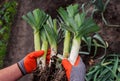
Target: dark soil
(50,74)
(21,38)
(112,35)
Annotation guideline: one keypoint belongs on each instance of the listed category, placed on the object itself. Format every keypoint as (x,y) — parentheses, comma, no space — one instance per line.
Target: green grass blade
(99,5)
(113,74)
(96,75)
(93,71)
(88,41)
(115,67)
(98,37)
(106,77)
(96,47)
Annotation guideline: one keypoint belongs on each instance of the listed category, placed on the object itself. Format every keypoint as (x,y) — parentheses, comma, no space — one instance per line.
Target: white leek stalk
(74,50)
(45,48)
(37,43)
(36,40)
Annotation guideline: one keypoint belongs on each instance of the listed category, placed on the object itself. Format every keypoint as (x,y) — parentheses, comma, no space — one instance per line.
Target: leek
(67,38)
(36,19)
(78,25)
(44,47)
(51,31)
(66,48)
(72,11)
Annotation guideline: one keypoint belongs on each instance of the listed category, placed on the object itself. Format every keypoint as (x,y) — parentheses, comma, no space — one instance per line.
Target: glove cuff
(78,72)
(21,67)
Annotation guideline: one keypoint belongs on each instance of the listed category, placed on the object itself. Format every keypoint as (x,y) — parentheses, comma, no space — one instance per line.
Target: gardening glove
(29,63)
(74,72)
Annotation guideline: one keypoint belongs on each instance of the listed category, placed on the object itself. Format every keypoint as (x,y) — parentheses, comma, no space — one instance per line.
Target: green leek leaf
(36,18)
(72,10)
(87,27)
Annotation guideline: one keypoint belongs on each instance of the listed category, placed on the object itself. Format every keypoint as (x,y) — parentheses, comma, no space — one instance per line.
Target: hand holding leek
(74,23)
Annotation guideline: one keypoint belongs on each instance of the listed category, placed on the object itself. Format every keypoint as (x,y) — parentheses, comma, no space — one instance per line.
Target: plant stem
(37,43)
(53,49)
(53,53)
(66,44)
(37,40)
(75,50)
(45,48)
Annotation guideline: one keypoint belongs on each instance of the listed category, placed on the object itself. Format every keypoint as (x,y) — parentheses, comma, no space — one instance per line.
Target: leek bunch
(78,25)
(36,20)
(75,24)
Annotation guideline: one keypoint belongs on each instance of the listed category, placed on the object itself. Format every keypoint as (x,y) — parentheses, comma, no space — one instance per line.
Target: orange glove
(76,72)
(28,64)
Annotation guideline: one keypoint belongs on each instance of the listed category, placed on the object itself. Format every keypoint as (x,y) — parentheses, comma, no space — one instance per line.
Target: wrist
(21,66)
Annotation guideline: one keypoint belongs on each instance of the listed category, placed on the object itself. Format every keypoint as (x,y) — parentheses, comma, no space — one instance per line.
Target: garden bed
(19,46)
(7,13)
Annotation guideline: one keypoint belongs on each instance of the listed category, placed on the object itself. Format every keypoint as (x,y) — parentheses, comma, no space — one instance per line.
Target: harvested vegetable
(78,25)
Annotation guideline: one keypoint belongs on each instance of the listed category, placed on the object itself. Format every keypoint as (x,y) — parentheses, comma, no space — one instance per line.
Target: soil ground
(21,38)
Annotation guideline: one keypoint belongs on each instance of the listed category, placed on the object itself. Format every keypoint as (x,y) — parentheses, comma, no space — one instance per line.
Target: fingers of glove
(30,60)
(68,67)
(66,64)
(36,54)
(30,65)
(48,56)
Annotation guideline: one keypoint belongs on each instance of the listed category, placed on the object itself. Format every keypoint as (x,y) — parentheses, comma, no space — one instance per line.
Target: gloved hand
(76,72)
(28,64)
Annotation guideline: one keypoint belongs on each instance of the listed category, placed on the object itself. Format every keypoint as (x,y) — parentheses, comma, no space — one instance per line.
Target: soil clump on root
(52,73)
